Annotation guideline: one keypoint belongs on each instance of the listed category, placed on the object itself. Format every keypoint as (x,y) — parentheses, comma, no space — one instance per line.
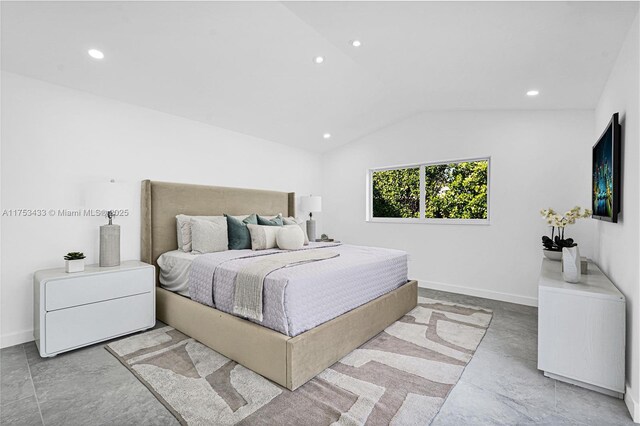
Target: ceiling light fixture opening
(95,54)
(356,43)
(326,135)
(533,93)
(318,59)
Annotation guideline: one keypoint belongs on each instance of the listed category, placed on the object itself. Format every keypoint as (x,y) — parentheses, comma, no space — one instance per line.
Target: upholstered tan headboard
(162,201)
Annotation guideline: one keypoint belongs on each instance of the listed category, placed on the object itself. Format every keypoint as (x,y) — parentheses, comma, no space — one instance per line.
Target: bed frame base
(288,361)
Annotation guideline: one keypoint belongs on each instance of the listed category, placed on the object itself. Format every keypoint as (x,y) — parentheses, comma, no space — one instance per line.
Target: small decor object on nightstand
(324,238)
(553,246)
(74,262)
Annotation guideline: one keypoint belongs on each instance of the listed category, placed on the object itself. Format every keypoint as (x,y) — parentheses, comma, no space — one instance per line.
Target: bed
(296,299)
(289,354)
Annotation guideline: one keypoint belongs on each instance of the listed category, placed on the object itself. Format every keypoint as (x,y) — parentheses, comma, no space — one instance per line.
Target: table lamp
(109,197)
(311,204)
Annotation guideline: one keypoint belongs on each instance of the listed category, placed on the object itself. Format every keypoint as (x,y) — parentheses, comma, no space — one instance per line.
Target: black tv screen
(605,198)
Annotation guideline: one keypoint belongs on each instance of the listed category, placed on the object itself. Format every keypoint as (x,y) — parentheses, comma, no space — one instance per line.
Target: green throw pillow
(276,221)
(239,236)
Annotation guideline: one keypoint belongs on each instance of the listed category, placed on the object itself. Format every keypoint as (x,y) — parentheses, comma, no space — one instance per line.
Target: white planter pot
(74,265)
(571,268)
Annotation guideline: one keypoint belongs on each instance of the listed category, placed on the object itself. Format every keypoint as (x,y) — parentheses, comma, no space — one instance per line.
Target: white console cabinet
(72,310)
(581,330)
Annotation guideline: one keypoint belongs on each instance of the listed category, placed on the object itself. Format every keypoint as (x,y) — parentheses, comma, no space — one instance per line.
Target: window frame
(422,220)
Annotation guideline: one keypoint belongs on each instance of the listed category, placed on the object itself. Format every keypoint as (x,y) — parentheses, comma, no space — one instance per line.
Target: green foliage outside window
(452,191)
(456,191)
(396,193)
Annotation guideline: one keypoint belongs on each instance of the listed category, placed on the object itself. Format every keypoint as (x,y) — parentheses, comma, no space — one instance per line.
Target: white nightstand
(72,310)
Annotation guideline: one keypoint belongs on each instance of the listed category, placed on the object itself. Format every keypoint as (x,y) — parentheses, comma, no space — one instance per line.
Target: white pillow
(290,237)
(183,224)
(209,235)
(263,236)
(301,223)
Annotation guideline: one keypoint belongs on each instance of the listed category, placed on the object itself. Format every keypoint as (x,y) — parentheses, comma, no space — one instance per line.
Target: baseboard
(487,294)
(16,338)
(632,405)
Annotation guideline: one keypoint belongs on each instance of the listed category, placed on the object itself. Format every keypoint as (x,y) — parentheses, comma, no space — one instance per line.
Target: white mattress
(174,271)
(297,299)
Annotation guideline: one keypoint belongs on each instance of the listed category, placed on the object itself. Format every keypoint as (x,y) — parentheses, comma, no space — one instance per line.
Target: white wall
(538,160)
(617,244)
(56,142)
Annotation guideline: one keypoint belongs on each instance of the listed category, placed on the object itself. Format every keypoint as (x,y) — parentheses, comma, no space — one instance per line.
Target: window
(396,193)
(453,191)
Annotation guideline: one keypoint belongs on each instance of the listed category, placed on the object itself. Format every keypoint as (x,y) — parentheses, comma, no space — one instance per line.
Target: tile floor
(501,384)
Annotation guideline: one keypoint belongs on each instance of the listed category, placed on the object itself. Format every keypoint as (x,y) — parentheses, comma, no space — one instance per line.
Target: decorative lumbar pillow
(239,236)
(270,221)
(183,224)
(301,223)
(263,236)
(290,237)
(209,236)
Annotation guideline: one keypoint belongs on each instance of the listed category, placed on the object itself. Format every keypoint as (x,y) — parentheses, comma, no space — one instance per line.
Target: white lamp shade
(108,195)
(311,203)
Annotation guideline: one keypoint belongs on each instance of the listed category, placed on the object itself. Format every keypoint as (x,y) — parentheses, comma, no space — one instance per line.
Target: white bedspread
(174,270)
(298,299)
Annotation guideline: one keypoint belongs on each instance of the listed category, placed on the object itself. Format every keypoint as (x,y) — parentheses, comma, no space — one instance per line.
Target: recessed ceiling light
(356,43)
(95,54)
(318,59)
(533,93)
(326,135)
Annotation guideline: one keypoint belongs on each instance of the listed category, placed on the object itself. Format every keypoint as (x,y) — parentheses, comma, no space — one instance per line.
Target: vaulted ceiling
(249,66)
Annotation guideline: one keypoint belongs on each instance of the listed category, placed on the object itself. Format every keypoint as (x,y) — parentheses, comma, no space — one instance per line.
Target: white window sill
(430,221)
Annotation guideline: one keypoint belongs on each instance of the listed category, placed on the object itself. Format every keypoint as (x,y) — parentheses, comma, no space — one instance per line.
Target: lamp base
(110,245)
(311,229)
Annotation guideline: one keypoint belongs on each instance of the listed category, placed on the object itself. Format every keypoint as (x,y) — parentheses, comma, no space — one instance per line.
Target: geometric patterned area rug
(401,376)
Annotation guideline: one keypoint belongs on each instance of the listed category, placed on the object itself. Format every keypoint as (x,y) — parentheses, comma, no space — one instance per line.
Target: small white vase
(571,268)
(74,265)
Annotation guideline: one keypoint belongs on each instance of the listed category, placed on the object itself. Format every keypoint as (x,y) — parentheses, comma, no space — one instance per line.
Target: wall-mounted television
(605,197)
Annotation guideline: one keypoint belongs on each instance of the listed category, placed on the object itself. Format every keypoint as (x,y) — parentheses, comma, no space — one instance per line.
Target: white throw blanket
(247,301)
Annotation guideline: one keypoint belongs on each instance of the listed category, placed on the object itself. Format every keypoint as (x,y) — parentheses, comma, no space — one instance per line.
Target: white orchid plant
(555,220)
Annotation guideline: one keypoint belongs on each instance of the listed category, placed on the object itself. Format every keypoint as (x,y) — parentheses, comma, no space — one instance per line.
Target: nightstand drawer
(91,288)
(83,325)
